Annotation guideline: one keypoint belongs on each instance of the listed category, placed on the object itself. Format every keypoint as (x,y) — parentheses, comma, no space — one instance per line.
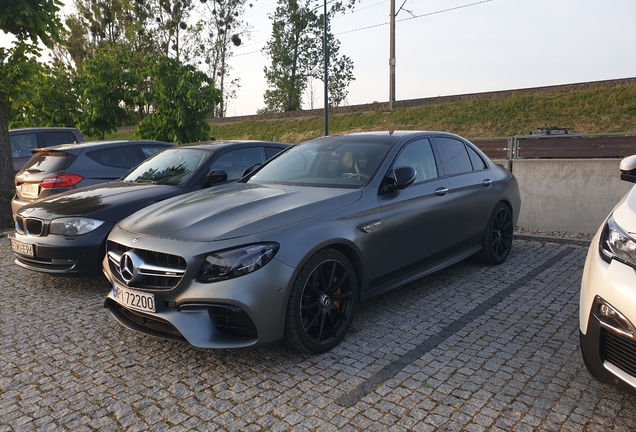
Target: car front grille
(30,226)
(159,270)
(619,350)
(232,321)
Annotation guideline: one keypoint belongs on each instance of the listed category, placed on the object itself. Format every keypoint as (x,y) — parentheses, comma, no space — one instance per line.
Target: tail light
(61,181)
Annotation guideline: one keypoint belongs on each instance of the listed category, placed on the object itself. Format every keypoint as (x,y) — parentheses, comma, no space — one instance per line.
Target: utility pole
(326,52)
(392,57)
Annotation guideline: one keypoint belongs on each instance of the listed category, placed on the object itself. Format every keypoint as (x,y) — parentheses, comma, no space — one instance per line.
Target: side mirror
(215,176)
(250,169)
(402,178)
(628,169)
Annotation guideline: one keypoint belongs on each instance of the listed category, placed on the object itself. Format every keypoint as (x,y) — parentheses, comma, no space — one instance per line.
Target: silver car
(289,251)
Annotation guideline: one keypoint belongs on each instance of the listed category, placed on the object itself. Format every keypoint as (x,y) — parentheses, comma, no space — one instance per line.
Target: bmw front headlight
(237,262)
(617,244)
(73,226)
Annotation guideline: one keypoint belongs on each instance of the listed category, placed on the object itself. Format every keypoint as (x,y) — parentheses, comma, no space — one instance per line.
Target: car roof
(91,144)
(218,145)
(383,136)
(43,129)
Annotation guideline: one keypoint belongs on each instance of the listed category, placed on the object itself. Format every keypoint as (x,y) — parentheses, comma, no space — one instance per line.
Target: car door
(472,184)
(416,221)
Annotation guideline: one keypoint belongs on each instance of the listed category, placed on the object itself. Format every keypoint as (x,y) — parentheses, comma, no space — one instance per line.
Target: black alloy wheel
(322,303)
(497,240)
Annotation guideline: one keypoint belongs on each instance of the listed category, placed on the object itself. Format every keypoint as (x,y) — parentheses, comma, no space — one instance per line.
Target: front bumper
(245,311)
(63,256)
(607,311)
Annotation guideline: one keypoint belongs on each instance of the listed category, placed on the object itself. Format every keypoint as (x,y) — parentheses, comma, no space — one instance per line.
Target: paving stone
(65,364)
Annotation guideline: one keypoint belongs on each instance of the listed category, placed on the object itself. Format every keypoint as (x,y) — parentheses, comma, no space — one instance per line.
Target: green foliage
(182,97)
(108,88)
(32,20)
(17,67)
(52,99)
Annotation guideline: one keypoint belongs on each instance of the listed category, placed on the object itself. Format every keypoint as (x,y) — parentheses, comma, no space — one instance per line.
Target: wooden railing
(531,147)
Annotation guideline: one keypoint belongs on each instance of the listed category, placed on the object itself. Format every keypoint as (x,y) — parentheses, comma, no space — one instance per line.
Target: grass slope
(597,110)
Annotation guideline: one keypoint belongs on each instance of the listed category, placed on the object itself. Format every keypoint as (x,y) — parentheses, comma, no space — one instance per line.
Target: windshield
(173,166)
(330,164)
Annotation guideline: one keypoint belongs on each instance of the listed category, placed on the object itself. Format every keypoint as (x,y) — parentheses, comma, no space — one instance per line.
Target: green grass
(595,110)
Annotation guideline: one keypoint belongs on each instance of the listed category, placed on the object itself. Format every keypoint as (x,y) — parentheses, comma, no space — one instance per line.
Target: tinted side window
(120,157)
(149,149)
(476,160)
(270,152)
(55,138)
(419,155)
(454,156)
(235,162)
(21,144)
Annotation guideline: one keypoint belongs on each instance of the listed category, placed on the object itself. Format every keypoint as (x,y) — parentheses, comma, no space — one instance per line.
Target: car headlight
(73,226)
(617,244)
(237,262)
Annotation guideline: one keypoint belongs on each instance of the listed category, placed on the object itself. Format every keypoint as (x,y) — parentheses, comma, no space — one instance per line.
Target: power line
(417,16)
(358,10)
(381,24)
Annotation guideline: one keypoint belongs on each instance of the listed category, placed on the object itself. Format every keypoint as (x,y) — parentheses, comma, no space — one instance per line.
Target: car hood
(97,200)
(236,210)
(625,212)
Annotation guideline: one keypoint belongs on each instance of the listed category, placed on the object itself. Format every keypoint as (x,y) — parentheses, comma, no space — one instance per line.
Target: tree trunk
(7,187)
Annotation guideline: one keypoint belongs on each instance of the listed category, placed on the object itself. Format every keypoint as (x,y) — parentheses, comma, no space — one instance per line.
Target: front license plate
(30,190)
(22,248)
(134,299)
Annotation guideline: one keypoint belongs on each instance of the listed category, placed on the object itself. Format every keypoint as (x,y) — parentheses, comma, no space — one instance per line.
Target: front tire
(497,240)
(322,303)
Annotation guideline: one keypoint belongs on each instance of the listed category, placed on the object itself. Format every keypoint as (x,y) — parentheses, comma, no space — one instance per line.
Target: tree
(296,52)
(30,22)
(108,88)
(114,25)
(171,17)
(182,97)
(52,101)
(289,49)
(223,30)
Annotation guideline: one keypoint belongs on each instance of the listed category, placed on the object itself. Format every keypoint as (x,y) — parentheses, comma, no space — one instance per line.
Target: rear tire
(497,240)
(322,303)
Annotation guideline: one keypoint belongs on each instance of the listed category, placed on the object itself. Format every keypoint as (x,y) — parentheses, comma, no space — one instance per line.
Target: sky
(450,47)
(460,46)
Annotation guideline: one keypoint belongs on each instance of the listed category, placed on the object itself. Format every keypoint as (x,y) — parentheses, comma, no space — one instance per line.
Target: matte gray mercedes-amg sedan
(289,251)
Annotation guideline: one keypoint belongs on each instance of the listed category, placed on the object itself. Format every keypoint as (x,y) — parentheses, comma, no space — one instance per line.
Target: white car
(607,306)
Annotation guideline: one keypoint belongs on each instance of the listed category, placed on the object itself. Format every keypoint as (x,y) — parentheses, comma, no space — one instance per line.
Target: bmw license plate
(22,248)
(134,299)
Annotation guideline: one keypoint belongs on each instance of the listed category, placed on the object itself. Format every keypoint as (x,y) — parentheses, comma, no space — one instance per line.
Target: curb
(549,239)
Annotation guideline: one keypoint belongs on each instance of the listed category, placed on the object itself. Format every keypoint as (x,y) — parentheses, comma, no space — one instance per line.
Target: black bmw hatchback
(56,169)
(65,234)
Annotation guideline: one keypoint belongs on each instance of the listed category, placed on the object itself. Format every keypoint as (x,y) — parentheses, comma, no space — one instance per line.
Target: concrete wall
(573,195)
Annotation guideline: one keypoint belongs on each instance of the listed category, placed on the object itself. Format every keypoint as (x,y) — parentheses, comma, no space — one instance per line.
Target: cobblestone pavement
(472,348)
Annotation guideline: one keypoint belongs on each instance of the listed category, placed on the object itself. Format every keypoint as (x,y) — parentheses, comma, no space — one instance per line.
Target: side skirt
(420,272)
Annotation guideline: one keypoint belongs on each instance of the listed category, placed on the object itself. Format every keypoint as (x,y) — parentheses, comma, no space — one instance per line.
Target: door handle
(441,191)
(487,182)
